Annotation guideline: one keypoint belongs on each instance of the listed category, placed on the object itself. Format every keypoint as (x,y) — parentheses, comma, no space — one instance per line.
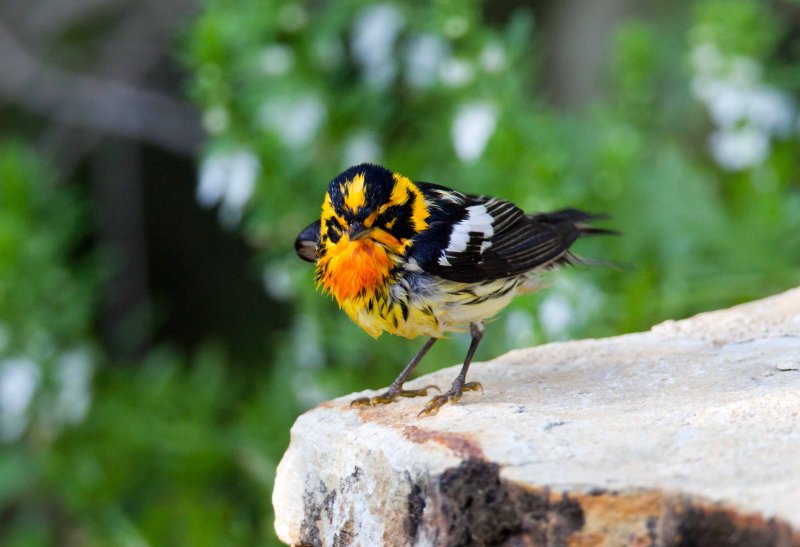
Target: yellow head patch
(355,193)
(405,190)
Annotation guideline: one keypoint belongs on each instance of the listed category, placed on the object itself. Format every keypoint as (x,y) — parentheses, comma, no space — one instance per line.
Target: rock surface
(686,434)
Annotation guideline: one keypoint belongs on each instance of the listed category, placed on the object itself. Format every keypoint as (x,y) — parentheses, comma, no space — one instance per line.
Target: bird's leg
(396,388)
(460,385)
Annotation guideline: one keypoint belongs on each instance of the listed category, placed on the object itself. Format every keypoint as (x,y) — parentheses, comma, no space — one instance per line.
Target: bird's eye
(371,220)
(333,229)
(396,220)
(388,218)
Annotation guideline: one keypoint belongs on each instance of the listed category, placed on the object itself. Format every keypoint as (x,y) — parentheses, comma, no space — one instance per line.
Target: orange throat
(353,268)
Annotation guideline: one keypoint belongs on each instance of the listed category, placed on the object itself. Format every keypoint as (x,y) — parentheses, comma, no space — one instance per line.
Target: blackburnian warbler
(414,258)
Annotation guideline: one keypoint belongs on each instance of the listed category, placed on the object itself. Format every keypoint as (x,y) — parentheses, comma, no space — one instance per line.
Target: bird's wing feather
(478,238)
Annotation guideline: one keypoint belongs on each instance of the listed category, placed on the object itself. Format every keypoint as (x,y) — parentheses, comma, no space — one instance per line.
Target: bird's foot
(391,395)
(452,395)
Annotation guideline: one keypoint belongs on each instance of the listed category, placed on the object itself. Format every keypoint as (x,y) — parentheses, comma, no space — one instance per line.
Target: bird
(420,259)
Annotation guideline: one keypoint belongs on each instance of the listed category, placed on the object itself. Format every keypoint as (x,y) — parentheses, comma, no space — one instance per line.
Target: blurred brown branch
(101,74)
(52,16)
(108,106)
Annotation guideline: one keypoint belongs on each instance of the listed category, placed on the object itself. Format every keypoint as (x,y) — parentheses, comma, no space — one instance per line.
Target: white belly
(476,303)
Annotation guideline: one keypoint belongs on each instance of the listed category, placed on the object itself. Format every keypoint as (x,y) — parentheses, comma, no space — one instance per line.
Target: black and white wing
(477,238)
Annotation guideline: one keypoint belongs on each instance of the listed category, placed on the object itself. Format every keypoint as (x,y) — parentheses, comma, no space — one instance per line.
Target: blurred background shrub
(157,334)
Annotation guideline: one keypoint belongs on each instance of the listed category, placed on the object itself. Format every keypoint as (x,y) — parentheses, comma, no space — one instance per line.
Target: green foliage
(173,456)
(639,155)
(743,27)
(37,231)
(182,449)
(173,450)
(699,234)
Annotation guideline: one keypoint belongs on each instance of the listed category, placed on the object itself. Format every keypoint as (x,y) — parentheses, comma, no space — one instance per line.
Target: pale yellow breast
(433,308)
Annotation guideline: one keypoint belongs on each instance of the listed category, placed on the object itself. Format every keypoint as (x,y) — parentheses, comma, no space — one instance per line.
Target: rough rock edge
(450,506)
(470,504)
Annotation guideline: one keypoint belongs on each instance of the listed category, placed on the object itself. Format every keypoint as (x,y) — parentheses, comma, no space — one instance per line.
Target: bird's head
(369,217)
(368,202)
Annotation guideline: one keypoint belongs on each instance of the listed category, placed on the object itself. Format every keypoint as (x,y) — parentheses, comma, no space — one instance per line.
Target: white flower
(569,304)
(706,58)
(228,179)
(456,72)
(216,120)
(731,105)
(309,354)
(727,104)
(472,127)
(306,390)
(424,56)
(372,41)
(296,120)
(746,112)
(493,58)
(277,279)
(361,146)
(744,71)
(519,328)
(704,87)
(737,149)
(19,379)
(556,314)
(770,110)
(277,59)
(74,377)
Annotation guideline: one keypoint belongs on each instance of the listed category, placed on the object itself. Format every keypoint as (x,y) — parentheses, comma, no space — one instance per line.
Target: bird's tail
(572,224)
(574,220)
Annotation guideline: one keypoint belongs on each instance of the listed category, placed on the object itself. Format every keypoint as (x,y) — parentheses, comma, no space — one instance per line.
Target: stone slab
(688,432)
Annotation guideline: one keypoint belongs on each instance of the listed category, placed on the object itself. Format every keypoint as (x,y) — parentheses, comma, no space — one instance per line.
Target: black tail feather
(587,230)
(572,224)
(574,219)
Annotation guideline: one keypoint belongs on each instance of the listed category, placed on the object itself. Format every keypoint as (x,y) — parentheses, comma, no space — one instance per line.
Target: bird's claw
(452,395)
(473,386)
(391,395)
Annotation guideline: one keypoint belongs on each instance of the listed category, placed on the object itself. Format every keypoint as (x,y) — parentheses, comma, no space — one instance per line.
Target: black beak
(357,231)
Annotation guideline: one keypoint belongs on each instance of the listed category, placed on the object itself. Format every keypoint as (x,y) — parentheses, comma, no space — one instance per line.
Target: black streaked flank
(404,309)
